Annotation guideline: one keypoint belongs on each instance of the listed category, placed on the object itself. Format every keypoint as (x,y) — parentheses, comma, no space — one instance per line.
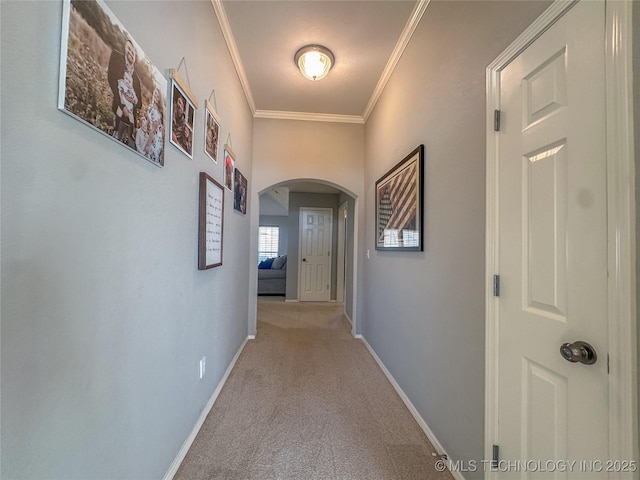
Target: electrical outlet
(203,366)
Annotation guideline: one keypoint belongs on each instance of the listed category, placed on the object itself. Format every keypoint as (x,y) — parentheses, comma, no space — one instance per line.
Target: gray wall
(283,233)
(333,153)
(424,312)
(104,313)
(636,116)
(310,200)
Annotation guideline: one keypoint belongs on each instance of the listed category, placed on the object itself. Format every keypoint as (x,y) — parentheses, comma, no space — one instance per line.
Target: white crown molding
(310,117)
(403,41)
(233,51)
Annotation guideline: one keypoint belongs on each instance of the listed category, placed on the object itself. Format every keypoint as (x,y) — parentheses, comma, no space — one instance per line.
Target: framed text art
(210,223)
(107,81)
(399,194)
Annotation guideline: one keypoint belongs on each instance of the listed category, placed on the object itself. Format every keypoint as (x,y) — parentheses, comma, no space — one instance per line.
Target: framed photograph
(183,103)
(229,165)
(239,192)
(399,194)
(108,83)
(211,131)
(210,223)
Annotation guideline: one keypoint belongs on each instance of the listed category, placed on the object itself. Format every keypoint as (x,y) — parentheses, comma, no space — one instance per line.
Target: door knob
(579,352)
(304,259)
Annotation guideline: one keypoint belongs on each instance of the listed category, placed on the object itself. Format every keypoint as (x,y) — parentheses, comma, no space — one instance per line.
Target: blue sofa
(272,276)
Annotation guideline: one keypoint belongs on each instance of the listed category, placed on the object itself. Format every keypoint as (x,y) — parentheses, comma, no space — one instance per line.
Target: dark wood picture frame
(210,222)
(399,205)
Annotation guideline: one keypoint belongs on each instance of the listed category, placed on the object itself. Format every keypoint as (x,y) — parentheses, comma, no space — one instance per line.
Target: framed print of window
(399,197)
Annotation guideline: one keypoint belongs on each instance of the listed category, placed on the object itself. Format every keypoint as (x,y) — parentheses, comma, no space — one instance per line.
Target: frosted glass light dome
(314,61)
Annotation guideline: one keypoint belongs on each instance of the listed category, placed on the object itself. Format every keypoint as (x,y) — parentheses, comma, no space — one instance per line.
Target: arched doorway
(280,206)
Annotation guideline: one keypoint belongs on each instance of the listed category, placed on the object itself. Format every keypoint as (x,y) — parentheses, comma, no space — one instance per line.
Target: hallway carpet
(306,401)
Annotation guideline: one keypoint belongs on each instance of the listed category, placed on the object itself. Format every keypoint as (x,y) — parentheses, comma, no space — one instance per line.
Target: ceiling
(366,37)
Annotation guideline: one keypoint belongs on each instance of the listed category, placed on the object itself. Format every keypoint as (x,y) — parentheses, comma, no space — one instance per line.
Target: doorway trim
(342,251)
(622,308)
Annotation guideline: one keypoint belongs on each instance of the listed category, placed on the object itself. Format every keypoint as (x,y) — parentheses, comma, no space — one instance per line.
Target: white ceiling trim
(311,117)
(225,26)
(403,41)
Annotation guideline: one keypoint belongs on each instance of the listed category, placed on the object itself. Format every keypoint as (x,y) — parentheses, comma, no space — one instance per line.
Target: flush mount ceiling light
(314,61)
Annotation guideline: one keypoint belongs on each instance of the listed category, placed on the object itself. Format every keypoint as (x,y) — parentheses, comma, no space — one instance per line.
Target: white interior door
(315,254)
(552,237)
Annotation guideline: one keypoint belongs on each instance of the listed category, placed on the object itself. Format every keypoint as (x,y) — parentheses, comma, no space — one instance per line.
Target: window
(267,242)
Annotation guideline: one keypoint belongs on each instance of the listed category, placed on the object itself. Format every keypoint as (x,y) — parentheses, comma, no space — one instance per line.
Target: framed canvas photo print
(182,114)
(107,81)
(239,192)
(210,222)
(211,131)
(229,165)
(399,196)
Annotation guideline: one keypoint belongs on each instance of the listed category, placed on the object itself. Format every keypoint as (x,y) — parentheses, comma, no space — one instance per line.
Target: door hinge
(496,120)
(496,285)
(327,286)
(608,364)
(495,458)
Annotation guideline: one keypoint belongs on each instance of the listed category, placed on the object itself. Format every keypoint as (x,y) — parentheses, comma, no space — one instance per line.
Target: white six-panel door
(552,236)
(315,254)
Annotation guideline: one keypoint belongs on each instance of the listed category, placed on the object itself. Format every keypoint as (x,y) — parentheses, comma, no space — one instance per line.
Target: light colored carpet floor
(306,401)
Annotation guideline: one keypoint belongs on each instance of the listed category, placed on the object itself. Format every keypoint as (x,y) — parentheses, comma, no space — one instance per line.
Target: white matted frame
(229,166)
(108,83)
(212,126)
(623,395)
(398,205)
(183,106)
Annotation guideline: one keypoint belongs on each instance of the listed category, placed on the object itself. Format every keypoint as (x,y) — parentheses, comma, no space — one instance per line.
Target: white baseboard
(295,300)
(423,424)
(251,337)
(173,468)
(351,323)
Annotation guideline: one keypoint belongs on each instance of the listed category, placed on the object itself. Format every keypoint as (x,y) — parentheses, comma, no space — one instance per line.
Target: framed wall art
(229,165)
(211,131)
(183,103)
(239,192)
(210,222)
(399,197)
(108,83)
